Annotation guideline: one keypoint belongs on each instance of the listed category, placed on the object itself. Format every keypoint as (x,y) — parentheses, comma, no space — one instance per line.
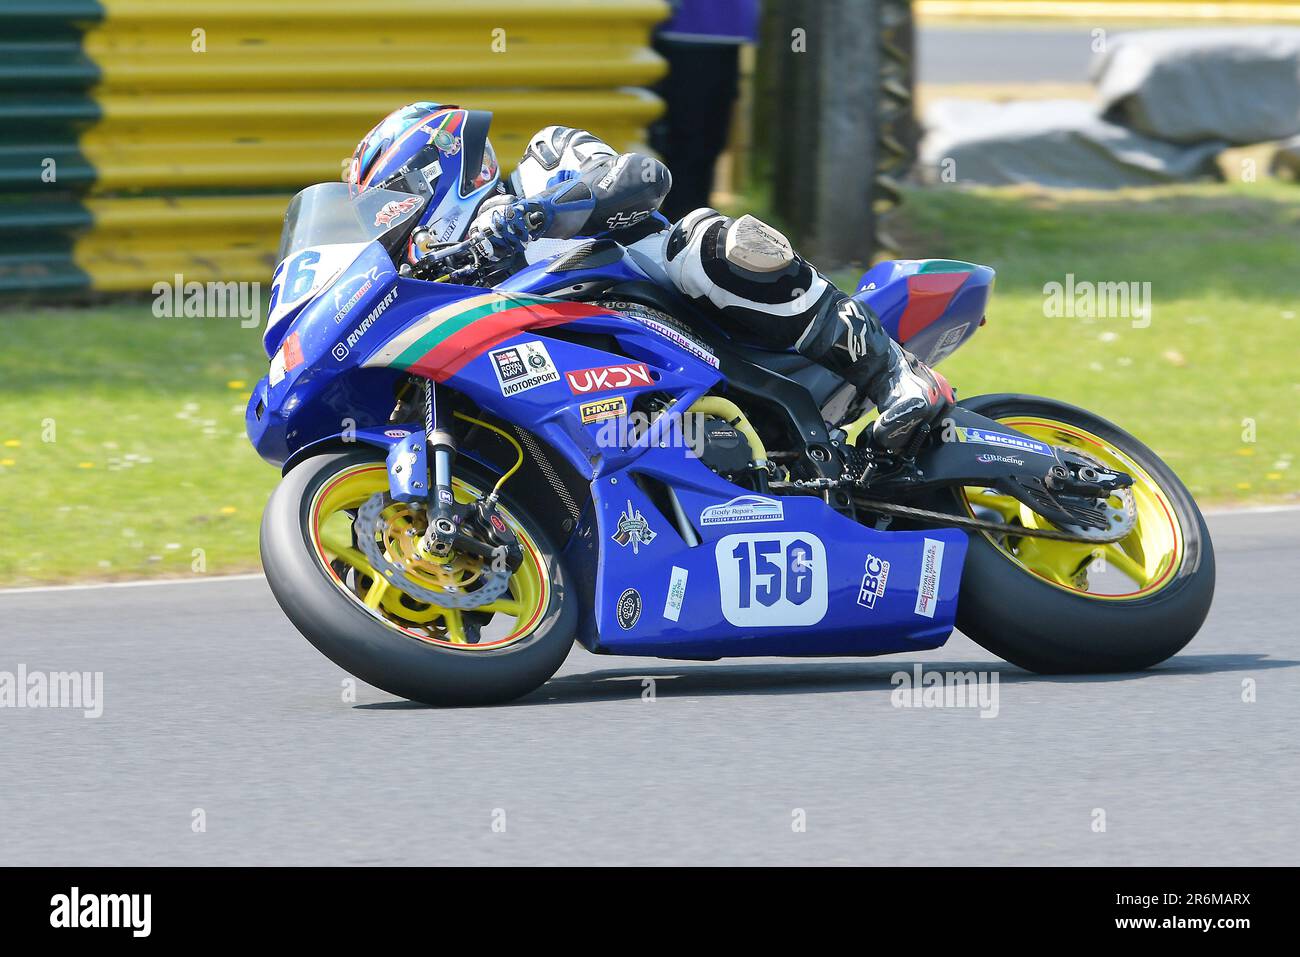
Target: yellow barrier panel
(239,96)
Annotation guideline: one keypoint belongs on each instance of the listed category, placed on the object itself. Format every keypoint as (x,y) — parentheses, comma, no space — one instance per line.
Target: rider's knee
(748,271)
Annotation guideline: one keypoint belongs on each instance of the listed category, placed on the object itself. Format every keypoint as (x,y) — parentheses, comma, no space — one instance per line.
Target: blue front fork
(410,479)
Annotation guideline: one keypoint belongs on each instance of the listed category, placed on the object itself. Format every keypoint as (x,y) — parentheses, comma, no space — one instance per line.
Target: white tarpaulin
(1241,85)
(1058,143)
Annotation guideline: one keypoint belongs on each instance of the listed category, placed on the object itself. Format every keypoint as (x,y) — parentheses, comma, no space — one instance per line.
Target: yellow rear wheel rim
(330,528)
(1149,556)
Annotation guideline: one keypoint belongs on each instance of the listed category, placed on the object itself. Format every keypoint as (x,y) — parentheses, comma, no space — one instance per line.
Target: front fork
(420,469)
(439,538)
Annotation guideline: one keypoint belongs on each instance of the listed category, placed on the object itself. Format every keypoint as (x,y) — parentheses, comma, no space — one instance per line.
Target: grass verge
(122,450)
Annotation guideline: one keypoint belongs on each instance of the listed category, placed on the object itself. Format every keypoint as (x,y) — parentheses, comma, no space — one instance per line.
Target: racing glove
(503,229)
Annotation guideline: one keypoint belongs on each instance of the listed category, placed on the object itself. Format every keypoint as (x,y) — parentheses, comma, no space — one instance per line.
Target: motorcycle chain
(983,525)
(370,521)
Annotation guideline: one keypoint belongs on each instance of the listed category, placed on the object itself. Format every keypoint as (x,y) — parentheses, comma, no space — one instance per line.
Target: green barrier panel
(121,121)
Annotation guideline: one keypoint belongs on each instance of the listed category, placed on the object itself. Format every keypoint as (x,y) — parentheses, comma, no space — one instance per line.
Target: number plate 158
(772,581)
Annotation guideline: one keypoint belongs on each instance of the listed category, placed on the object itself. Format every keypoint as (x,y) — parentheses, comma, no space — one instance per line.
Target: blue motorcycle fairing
(800,579)
(930,323)
(559,415)
(770,575)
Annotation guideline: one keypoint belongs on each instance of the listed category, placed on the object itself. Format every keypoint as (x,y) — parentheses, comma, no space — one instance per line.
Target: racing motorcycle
(484,461)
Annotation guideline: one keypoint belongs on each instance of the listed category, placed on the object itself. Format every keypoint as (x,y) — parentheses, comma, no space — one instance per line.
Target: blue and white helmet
(439,150)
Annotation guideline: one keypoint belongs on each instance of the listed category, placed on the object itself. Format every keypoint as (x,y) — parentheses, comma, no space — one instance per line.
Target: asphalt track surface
(1020,53)
(212,701)
(953,53)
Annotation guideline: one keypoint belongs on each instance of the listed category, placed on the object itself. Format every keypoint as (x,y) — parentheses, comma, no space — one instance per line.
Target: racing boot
(848,339)
(766,294)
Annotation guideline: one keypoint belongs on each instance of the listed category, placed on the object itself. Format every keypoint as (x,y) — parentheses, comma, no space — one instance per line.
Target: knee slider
(754,246)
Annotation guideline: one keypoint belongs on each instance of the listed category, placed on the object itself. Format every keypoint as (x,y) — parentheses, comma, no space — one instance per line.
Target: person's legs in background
(699,93)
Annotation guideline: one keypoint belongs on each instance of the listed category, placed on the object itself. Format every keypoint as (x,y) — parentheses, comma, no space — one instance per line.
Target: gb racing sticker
(523,367)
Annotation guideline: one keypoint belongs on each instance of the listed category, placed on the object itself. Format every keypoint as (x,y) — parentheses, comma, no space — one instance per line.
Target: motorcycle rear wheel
(1062,607)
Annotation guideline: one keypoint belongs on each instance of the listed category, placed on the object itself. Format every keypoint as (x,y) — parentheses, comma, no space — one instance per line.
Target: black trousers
(699,91)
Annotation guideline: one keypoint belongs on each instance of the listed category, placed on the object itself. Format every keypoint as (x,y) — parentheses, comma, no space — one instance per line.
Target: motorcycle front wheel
(368,626)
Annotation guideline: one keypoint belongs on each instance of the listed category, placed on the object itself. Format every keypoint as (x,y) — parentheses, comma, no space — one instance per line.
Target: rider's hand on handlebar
(503,230)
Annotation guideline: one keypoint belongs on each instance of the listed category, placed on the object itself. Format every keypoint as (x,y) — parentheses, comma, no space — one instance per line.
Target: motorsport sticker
(1019,443)
(633,529)
(628,609)
(523,367)
(599,409)
(744,508)
(873,582)
(396,433)
(608,378)
(676,594)
(927,593)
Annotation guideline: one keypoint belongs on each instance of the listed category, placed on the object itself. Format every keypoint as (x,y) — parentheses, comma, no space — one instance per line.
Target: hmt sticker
(600,409)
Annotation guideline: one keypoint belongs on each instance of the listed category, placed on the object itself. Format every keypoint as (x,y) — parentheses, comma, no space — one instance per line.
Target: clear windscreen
(326,214)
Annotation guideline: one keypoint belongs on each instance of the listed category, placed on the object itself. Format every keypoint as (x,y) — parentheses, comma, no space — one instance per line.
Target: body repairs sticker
(523,367)
(1020,443)
(927,592)
(744,508)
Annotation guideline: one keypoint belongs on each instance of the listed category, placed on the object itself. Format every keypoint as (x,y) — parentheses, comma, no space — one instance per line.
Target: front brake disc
(371,526)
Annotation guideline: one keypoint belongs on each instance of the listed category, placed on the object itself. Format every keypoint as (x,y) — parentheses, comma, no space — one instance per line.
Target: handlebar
(470,244)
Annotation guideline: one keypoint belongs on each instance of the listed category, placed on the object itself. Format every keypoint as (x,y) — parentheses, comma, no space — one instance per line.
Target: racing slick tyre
(370,627)
(1064,607)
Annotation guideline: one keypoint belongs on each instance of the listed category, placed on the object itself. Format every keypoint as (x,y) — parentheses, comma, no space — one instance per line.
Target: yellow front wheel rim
(1147,559)
(519,611)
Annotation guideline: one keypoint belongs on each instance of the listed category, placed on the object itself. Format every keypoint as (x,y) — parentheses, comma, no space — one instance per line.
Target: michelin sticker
(1020,443)
(744,508)
(523,367)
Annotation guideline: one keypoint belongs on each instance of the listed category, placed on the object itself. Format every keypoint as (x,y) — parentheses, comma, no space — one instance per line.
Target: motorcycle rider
(570,183)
